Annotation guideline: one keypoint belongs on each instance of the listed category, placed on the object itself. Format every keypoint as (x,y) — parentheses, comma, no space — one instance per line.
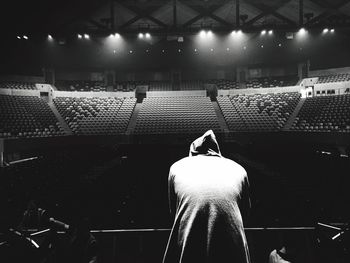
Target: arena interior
(99,98)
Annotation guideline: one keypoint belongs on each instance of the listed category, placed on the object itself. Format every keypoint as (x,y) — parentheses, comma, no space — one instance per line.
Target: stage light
(244,47)
(147,50)
(114,51)
(179,50)
(332,30)
(202,33)
(209,33)
(148,35)
(163,50)
(239,31)
(117,35)
(228,49)
(49,37)
(325,30)
(80,36)
(233,33)
(270,32)
(25,37)
(263,32)
(140,35)
(262,46)
(195,50)
(130,51)
(86,36)
(18,37)
(280,45)
(302,31)
(211,49)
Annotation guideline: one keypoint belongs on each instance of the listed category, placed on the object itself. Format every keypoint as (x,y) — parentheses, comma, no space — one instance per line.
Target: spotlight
(262,46)
(195,50)
(263,32)
(211,49)
(202,33)
(114,51)
(179,50)
(130,51)
(117,35)
(148,35)
(18,37)
(244,47)
(228,49)
(80,36)
(147,50)
(239,32)
(209,33)
(280,45)
(163,50)
(325,30)
(233,33)
(140,35)
(86,36)
(270,32)
(302,30)
(49,37)
(25,37)
(332,30)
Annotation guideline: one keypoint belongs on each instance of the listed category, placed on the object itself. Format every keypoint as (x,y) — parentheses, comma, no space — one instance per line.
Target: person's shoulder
(234,165)
(179,163)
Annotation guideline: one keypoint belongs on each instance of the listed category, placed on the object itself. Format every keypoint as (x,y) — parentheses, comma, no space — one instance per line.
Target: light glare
(263,32)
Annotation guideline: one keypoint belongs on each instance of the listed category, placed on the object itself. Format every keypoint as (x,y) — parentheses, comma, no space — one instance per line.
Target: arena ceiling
(164,16)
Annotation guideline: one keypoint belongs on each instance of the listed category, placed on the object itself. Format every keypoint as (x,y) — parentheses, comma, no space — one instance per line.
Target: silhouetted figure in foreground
(209,195)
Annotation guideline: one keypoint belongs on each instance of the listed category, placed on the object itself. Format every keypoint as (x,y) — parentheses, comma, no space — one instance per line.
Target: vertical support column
(174,14)
(301,12)
(112,16)
(1,152)
(237,13)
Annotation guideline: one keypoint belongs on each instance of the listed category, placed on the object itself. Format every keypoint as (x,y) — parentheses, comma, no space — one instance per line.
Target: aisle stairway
(63,124)
(132,122)
(291,119)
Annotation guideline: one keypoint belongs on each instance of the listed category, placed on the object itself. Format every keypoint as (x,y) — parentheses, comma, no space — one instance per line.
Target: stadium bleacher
(176,115)
(80,85)
(224,84)
(95,116)
(324,114)
(17,85)
(334,78)
(27,116)
(270,82)
(258,112)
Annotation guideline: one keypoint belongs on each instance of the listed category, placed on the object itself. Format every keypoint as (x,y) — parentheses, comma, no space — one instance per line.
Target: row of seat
(26,116)
(258,112)
(270,82)
(176,115)
(95,116)
(325,114)
(334,78)
(17,85)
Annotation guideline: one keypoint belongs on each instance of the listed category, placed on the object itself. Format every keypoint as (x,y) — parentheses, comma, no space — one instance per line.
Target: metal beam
(237,14)
(334,9)
(97,24)
(141,14)
(174,14)
(265,10)
(301,12)
(112,16)
(203,12)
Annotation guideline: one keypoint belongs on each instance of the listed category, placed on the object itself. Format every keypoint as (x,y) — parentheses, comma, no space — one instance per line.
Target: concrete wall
(182,93)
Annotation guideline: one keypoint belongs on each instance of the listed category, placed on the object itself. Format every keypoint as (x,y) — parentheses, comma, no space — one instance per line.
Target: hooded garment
(209,194)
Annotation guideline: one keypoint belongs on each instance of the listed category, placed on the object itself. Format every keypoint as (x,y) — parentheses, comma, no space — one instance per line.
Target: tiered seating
(128,85)
(191,85)
(223,83)
(272,82)
(178,115)
(325,114)
(95,116)
(334,78)
(24,116)
(258,112)
(17,85)
(80,85)
(160,86)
